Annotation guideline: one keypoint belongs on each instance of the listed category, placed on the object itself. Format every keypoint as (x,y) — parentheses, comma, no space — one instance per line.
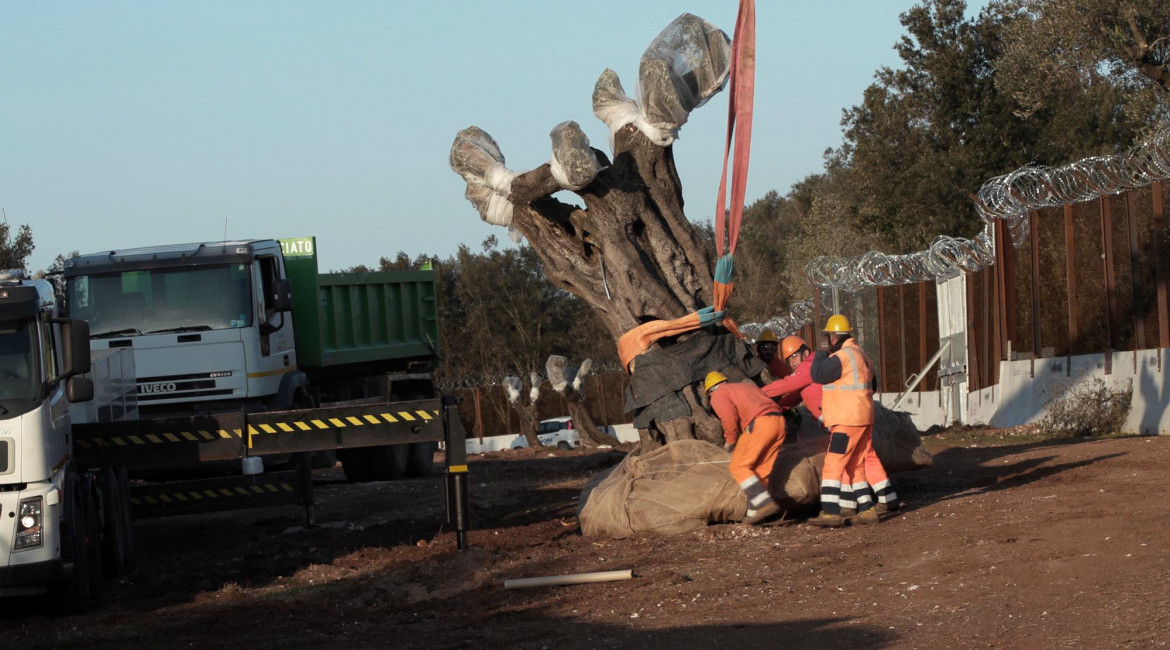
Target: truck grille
(181,386)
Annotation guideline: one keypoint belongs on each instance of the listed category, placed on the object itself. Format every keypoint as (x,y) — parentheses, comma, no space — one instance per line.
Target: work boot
(848,512)
(825,520)
(883,508)
(866,518)
(763,512)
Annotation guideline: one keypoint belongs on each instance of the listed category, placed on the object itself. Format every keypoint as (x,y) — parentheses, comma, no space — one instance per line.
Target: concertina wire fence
(1008,198)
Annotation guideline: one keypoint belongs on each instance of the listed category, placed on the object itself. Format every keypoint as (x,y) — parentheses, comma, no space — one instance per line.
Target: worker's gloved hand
(728,446)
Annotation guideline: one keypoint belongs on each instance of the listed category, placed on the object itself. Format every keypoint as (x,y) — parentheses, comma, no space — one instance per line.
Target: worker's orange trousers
(845,463)
(756,450)
(869,476)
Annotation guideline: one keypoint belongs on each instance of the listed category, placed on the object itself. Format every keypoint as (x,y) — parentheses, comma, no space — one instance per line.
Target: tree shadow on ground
(960,472)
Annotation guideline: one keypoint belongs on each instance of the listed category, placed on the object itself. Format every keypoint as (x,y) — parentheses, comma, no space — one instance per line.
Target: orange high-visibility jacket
(798,387)
(737,405)
(848,378)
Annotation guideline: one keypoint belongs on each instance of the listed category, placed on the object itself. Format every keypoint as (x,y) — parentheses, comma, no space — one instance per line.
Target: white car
(557,432)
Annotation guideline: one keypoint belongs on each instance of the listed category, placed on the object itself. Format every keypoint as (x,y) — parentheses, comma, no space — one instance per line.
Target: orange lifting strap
(727,222)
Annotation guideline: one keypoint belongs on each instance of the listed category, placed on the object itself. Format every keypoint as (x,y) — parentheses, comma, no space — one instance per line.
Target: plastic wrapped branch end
(534,392)
(685,65)
(582,372)
(616,110)
(476,157)
(555,367)
(512,386)
(573,162)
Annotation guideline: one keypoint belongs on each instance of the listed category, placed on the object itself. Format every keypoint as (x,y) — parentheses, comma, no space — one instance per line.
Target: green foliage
(1054,47)
(500,315)
(14,250)
(927,135)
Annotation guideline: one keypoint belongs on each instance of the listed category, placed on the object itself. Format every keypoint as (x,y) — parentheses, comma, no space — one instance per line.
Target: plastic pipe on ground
(571,579)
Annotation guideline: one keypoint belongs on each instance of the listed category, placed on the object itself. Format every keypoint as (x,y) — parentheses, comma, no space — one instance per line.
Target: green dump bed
(386,318)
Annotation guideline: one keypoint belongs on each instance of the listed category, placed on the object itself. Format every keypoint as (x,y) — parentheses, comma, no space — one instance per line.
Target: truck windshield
(162,300)
(20,379)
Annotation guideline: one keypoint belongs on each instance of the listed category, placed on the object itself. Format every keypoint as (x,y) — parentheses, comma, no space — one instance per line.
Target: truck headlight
(29,528)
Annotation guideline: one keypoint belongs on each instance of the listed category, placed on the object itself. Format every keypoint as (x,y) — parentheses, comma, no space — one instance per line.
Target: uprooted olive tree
(630,252)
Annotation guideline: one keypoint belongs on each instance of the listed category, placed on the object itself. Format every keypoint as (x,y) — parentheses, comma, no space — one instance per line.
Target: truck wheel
(421,459)
(388,462)
(117,532)
(356,465)
(72,596)
(93,538)
(564,446)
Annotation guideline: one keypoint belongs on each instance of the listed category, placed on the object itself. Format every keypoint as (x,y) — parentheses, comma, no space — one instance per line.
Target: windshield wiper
(184,328)
(112,333)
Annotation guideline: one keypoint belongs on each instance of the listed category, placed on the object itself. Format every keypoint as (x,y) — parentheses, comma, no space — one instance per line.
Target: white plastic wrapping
(582,372)
(534,392)
(685,65)
(573,162)
(512,386)
(476,157)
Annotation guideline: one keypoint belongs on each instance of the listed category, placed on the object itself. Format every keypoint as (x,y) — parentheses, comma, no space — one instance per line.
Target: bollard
(456,486)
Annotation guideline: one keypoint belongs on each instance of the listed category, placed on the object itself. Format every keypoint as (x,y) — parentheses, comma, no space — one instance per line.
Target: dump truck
(208,360)
(252,327)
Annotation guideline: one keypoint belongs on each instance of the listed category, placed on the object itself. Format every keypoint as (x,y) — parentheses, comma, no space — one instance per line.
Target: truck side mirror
(78,389)
(281,299)
(76,348)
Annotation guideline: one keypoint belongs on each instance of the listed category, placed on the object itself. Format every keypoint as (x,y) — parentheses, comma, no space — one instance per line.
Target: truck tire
(93,538)
(72,596)
(421,459)
(388,462)
(356,465)
(117,531)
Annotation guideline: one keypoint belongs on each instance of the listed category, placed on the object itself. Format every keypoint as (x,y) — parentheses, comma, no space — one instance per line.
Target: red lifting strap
(739,110)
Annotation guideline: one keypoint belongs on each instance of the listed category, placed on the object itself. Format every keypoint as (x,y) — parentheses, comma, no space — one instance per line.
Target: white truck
(251,327)
(56,512)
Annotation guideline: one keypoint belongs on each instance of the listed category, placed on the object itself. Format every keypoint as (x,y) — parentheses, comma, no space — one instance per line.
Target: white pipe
(570,579)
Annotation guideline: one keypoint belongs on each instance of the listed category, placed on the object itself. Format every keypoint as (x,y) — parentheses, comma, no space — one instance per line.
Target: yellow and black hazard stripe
(321,423)
(159,438)
(341,421)
(207,494)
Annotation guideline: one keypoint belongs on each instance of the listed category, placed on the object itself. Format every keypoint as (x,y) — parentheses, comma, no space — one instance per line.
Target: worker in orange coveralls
(847,375)
(766,348)
(743,408)
(798,386)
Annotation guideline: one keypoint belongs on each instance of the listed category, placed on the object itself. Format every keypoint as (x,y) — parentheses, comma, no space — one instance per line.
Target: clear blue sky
(127,124)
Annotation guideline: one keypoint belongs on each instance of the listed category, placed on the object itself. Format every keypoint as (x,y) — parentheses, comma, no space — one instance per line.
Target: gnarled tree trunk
(630,253)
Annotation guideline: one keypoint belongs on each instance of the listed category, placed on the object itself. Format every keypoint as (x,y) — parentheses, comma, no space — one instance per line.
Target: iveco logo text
(162,387)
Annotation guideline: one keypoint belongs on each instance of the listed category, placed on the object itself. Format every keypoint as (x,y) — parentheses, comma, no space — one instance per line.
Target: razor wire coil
(1008,198)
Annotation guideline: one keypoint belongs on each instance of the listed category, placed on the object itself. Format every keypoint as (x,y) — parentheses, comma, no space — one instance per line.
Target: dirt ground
(1004,542)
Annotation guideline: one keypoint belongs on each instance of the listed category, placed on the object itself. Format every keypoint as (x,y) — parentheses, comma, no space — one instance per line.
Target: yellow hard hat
(791,345)
(714,378)
(838,324)
(767,336)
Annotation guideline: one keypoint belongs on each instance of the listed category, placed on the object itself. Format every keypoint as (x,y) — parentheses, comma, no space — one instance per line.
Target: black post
(308,500)
(458,501)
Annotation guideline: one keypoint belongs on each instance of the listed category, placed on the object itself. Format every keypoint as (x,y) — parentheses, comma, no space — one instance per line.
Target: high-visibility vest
(849,400)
